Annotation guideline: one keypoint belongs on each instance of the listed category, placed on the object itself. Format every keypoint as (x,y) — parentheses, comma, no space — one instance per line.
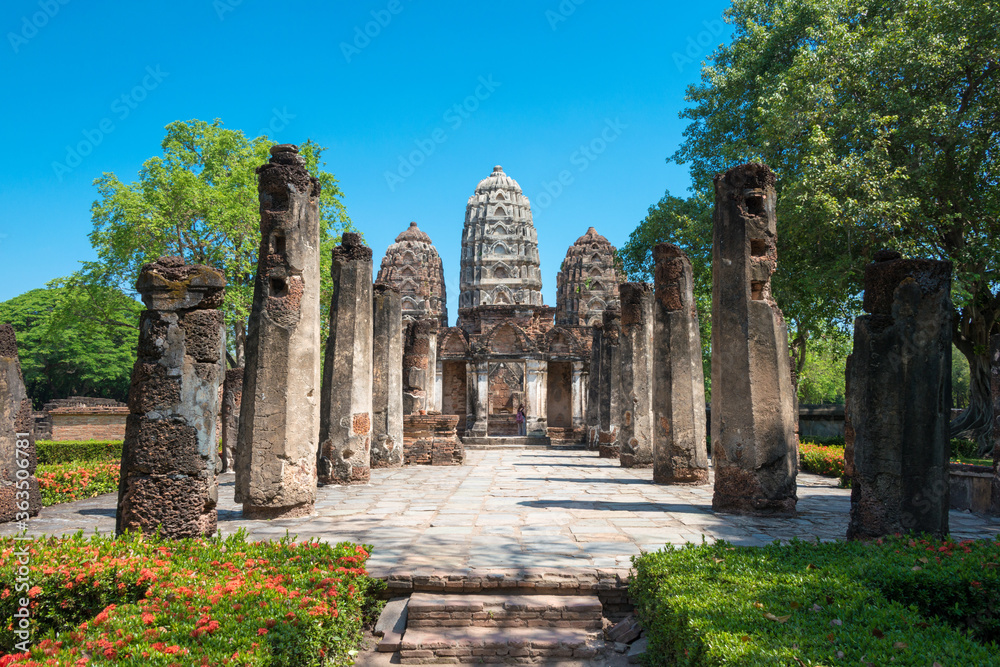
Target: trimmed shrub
(830,441)
(820,604)
(67,451)
(964,449)
(145,601)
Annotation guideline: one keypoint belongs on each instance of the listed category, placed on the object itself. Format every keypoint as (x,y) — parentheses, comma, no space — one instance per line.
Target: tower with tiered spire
(412,264)
(500,264)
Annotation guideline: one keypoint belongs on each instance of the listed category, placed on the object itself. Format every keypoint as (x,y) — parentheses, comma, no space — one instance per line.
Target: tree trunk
(976,421)
(240,343)
(972,337)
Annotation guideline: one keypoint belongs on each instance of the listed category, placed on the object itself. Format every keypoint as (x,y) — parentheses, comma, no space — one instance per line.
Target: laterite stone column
(754,446)
(419,349)
(170,465)
(900,380)
(232,394)
(594,387)
(19,495)
(636,375)
(387,383)
(345,431)
(609,399)
(680,452)
(279,414)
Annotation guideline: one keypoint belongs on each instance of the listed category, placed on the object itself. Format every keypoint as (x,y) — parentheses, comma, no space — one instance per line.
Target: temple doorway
(506,393)
(453,390)
(559,397)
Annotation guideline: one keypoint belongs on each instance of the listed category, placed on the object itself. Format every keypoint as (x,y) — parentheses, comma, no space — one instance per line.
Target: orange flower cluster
(66,482)
(828,460)
(138,600)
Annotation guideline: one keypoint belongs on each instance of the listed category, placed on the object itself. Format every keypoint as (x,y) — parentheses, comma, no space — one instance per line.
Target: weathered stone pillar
(438,399)
(479,388)
(536,390)
(19,495)
(345,428)
(419,340)
(754,447)
(594,387)
(579,395)
(232,394)
(387,378)
(636,417)
(611,385)
(900,379)
(170,465)
(678,382)
(995,382)
(279,414)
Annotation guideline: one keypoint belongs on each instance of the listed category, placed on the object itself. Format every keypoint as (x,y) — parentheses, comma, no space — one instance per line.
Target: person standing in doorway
(522,427)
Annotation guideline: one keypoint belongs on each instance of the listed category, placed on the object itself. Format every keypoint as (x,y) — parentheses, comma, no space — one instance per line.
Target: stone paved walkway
(518,509)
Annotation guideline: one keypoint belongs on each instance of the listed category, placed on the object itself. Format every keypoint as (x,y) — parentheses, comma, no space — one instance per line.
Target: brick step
(497,645)
(430,610)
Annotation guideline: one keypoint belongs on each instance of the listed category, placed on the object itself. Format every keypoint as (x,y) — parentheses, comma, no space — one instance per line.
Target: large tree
(881,121)
(69,349)
(198,200)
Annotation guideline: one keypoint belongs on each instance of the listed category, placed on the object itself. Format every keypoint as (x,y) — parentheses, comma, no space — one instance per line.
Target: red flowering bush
(66,482)
(138,600)
(821,460)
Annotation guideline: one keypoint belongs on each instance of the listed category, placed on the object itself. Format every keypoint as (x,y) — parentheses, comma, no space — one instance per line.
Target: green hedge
(67,451)
(831,441)
(141,600)
(901,602)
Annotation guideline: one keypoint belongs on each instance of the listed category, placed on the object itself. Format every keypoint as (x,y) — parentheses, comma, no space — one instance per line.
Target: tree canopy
(198,200)
(881,121)
(68,349)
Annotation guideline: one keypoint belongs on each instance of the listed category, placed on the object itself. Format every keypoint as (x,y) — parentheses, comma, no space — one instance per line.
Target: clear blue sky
(560,75)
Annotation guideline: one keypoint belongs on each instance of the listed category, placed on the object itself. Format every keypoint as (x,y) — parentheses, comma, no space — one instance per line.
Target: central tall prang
(500,263)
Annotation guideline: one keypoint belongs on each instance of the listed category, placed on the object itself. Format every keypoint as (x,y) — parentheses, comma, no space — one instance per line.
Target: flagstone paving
(509,510)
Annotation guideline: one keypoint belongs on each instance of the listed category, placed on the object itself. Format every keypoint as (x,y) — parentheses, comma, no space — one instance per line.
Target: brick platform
(432,440)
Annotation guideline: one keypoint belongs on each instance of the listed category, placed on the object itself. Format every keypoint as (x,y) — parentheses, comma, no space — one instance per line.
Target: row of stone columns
(646,400)
(294,430)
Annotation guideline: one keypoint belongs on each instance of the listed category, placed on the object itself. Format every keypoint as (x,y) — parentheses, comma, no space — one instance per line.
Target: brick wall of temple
(88,423)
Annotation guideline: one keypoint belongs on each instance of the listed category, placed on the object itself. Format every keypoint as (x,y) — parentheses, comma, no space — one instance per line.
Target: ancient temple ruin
(899,374)
(755,449)
(170,465)
(19,495)
(412,265)
(279,415)
(587,282)
(507,349)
